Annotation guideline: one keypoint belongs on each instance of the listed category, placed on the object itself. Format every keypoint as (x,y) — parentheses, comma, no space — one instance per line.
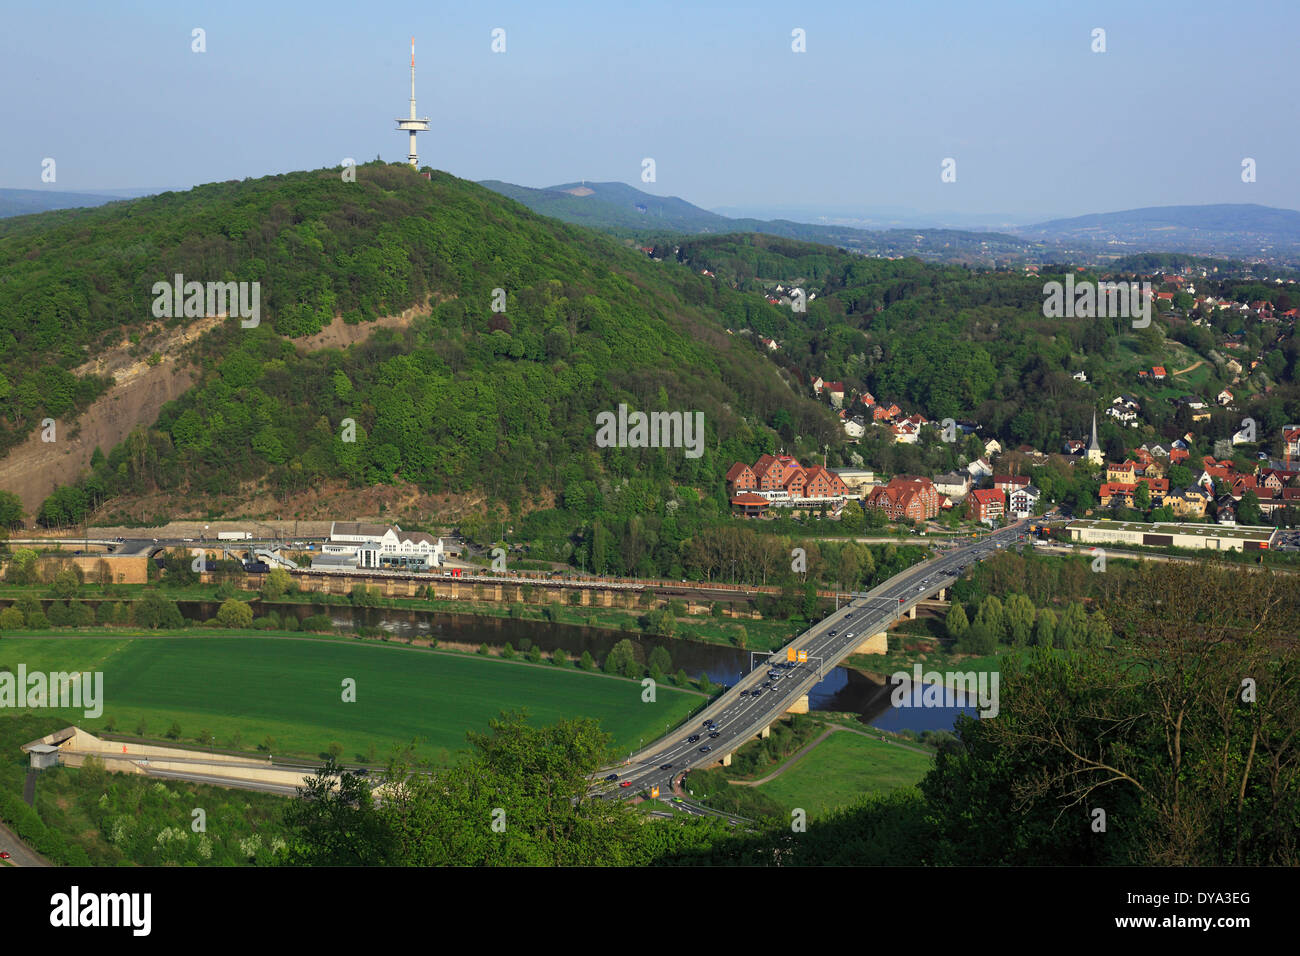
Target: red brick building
(986,504)
(740,477)
(773,473)
(824,483)
(906,497)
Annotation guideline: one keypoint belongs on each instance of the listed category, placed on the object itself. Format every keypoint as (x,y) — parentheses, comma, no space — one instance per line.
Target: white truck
(234,536)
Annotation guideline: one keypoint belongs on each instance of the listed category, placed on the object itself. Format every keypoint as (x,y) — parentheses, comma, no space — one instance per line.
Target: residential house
(954,484)
(985,504)
(905,433)
(1225,397)
(1113,493)
(1187,502)
(1291,441)
(980,468)
(1226,510)
(1023,501)
(1008,483)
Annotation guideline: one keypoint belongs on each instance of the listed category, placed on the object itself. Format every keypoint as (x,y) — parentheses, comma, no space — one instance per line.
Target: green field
(291,690)
(841,769)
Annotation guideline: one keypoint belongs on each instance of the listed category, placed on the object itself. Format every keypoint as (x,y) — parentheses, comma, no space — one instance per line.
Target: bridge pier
(765,732)
(877,643)
(726,761)
(799,706)
(943,594)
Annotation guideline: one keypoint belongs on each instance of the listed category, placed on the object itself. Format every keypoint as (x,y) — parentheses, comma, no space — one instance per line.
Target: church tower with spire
(1094,450)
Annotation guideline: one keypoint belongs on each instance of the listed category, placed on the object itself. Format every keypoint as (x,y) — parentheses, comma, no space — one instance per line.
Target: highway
(744,710)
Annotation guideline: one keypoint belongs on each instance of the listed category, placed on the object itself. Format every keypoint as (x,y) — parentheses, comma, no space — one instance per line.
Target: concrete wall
(875,644)
(79,746)
(126,569)
(456,589)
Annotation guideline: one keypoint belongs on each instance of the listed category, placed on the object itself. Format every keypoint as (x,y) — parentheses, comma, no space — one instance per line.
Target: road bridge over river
(749,709)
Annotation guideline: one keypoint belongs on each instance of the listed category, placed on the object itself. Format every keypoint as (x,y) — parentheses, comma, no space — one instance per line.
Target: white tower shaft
(413,124)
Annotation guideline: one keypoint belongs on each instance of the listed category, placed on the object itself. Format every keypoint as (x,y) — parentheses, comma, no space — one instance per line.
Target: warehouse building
(1208,537)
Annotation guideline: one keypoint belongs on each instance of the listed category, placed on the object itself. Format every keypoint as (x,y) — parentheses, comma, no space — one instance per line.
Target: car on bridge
(705,749)
(692,738)
(665,766)
(612,776)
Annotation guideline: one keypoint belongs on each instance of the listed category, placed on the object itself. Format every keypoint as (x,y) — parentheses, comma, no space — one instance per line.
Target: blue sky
(1039,125)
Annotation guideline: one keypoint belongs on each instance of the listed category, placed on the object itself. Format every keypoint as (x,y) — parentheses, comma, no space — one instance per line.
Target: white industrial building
(381,546)
(1209,537)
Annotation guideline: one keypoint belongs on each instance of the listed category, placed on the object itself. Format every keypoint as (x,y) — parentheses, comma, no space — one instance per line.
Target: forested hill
(947,341)
(467,399)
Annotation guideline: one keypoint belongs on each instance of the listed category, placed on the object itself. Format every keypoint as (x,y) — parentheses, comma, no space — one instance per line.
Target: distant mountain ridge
(1221,217)
(22,202)
(1246,230)
(627,211)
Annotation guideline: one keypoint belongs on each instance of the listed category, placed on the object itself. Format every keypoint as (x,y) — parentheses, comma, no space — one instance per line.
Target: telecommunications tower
(413,125)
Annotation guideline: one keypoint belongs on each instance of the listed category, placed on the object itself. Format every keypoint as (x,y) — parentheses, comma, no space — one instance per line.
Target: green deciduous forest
(463,398)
